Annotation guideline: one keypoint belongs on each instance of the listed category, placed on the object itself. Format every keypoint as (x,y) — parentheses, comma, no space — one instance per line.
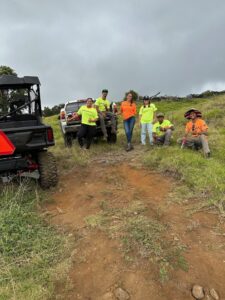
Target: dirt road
(133,240)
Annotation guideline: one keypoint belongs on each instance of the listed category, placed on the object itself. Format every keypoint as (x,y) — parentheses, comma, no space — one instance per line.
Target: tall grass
(31,251)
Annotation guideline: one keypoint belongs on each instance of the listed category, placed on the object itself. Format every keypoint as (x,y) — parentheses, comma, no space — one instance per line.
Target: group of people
(159,132)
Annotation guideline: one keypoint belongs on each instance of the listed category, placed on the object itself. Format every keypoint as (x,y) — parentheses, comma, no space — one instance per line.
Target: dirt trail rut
(100,264)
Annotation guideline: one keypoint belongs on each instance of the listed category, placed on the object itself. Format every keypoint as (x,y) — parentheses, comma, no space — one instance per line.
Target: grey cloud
(79,47)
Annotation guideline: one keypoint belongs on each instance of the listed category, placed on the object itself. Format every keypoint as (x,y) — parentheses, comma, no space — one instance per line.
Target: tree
(55,110)
(5,70)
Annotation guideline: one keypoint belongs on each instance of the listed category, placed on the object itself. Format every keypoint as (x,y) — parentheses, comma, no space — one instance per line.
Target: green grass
(32,252)
(205,179)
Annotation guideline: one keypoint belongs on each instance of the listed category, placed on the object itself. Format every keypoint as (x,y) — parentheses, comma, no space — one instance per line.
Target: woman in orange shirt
(128,110)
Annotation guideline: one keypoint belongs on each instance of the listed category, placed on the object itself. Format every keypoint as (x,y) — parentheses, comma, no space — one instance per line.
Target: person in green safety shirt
(102,105)
(162,130)
(146,116)
(89,116)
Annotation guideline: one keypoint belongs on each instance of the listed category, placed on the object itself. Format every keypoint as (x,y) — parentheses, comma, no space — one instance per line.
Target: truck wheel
(68,140)
(47,170)
(112,138)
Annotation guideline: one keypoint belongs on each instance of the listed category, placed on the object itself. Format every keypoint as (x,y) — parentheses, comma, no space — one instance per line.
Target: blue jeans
(128,127)
(144,128)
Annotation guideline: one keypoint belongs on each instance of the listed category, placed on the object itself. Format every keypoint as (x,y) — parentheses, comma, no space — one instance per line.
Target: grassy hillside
(203,179)
(32,253)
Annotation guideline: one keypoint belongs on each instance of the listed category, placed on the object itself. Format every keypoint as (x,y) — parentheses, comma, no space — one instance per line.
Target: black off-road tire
(47,169)
(68,140)
(112,138)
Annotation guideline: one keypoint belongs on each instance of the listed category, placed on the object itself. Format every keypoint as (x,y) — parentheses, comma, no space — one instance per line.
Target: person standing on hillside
(102,105)
(196,132)
(162,130)
(89,116)
(128,110)
(146,116)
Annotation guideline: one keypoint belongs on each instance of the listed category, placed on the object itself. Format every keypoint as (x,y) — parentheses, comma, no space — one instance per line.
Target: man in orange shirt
(196,132)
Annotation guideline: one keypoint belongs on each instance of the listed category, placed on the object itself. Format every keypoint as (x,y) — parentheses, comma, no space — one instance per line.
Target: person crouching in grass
(162,130)
(196,132)
(87,130)
(146,116)
(128,110)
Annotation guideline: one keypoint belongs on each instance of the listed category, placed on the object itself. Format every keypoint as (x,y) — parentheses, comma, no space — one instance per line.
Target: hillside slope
(204,178)
(178,212)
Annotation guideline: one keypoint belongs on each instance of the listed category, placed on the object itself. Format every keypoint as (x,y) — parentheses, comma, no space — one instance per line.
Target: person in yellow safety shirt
(146,116)
(102,105)
(162,130)
(196,132)
(89,116)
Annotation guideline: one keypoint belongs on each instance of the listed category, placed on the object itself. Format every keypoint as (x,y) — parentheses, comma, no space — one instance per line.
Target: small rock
(198,292)
(121,294)
(107,296)
(90,196)
(214,294)
(60,211)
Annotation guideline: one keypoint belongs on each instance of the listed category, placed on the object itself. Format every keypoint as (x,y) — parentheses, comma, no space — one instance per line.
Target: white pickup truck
(70,128)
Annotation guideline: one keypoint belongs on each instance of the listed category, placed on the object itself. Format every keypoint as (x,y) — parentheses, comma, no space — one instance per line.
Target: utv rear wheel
(68,139)
(47,169)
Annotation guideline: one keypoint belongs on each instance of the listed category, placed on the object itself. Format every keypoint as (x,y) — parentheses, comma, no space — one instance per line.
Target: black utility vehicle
(21,124)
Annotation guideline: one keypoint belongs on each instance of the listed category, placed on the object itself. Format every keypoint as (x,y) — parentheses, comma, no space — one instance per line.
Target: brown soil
(98,264)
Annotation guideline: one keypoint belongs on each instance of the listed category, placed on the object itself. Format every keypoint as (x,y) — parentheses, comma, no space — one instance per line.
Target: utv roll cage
(11,82)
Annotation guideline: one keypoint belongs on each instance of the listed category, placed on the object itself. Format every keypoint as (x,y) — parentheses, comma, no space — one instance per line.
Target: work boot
(128,148)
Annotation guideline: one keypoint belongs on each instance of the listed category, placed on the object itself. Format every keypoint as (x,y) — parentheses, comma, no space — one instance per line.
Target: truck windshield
(74,107)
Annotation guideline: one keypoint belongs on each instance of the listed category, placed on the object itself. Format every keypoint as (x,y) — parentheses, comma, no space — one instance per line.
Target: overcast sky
(78,47)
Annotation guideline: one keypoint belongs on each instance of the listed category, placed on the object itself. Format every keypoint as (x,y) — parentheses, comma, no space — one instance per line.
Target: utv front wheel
(47,170)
